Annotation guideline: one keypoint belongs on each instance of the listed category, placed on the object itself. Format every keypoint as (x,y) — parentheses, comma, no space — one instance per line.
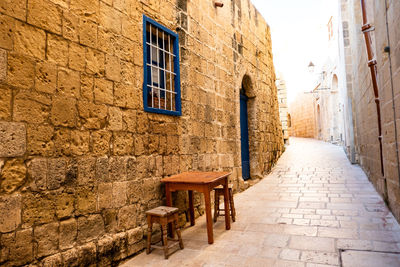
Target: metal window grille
(161,70)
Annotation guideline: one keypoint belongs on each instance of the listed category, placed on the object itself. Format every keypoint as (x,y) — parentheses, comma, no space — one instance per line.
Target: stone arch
(334,82)
(247,86)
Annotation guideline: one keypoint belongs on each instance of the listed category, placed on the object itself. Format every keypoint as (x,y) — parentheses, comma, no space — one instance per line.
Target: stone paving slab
(311,206)
(351,258)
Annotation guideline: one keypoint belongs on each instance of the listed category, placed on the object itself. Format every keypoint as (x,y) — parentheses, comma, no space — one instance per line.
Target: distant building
(283,107)
(322,108)
(302,116)
(331,90)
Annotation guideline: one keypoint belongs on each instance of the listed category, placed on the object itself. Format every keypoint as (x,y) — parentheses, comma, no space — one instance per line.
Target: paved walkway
(314,209)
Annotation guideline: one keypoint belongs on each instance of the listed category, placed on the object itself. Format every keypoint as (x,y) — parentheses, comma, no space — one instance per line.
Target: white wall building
(330,90)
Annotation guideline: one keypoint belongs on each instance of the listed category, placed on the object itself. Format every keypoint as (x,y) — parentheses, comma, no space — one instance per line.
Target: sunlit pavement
(313,209)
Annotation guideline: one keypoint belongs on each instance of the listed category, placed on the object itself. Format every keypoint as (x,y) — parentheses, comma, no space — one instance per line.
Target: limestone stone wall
(385,17)
(303,116)
(80,161)
(283,107)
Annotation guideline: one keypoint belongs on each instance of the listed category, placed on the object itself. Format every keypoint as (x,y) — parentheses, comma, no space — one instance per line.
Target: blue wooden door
(244,137)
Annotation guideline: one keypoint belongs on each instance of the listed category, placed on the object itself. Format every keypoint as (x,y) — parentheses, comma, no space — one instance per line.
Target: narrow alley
(313,209)
(117,114)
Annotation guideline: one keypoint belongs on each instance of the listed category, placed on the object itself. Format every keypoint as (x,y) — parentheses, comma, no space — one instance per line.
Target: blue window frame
(161,86)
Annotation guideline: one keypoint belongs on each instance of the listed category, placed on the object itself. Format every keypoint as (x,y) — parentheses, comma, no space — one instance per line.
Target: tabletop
(195,177)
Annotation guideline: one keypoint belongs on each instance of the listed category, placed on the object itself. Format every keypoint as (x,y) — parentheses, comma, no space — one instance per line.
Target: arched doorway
(319,126)
(244,130)
(335,113)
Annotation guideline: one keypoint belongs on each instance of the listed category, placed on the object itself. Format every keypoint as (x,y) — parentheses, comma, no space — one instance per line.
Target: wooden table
(202,182)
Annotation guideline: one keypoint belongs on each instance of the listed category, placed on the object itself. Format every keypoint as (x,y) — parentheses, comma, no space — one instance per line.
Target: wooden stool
(163,215)
(219,191)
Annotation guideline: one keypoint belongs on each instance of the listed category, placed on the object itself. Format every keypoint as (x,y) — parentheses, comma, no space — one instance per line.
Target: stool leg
(173,227)
(216,205)
(164,225)
(178,232)
(162,234)
(232,204)
(149,230)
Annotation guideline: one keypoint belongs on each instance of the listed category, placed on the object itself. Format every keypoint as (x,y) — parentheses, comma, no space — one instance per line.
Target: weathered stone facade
(303,116)
(80,160)
(283,107)
(385,17)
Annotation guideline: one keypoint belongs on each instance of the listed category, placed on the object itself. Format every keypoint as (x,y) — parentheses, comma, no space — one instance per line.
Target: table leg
(226,205)
(191,208)
(168,200)
(149,231)
(207,200)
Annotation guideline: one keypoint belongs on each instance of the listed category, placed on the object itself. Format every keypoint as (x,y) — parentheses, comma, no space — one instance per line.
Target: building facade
(99,100)
(384,16)
(326,115)
(302,115)
(329,91)
(283,107)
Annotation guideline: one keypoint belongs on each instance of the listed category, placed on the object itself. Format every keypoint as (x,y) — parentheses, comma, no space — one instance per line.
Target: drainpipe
(366,29)
(387,49)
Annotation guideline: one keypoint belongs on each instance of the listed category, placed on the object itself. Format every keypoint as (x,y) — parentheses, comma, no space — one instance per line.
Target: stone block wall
(80,161)
(385,17)
(283,107)
(303,116)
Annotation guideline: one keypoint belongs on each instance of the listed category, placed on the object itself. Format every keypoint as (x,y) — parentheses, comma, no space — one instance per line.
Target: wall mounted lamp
(311,67)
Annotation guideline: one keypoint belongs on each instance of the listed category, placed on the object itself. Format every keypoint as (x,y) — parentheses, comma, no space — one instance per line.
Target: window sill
(162,111)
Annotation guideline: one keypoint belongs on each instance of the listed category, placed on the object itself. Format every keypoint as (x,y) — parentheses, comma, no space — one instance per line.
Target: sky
(299,35)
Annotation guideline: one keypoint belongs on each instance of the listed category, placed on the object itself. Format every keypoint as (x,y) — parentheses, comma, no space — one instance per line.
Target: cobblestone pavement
(313,209)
